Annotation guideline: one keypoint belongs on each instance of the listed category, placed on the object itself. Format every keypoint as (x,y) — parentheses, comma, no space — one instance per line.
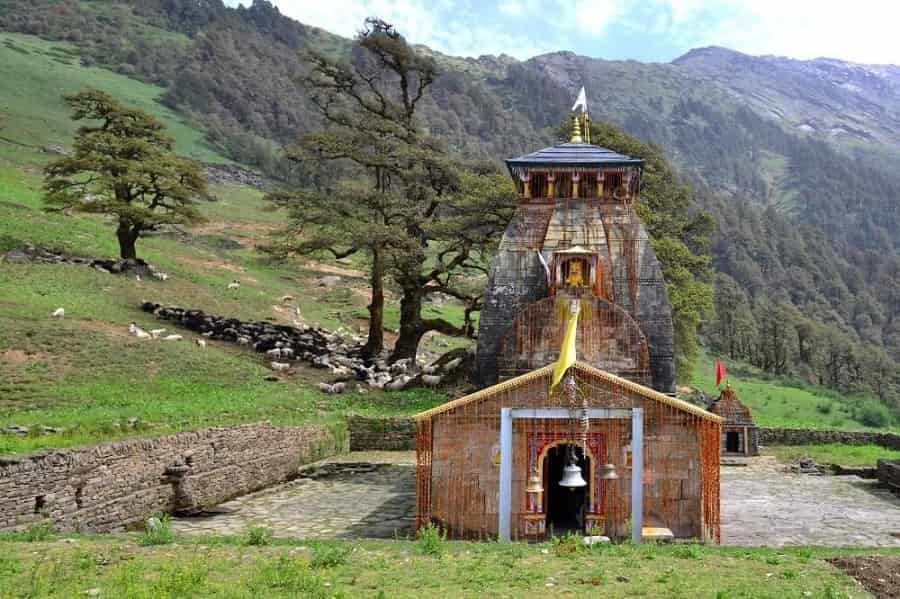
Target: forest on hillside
(806,240)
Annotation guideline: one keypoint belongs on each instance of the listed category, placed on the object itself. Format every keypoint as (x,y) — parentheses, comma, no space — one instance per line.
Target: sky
(862,31)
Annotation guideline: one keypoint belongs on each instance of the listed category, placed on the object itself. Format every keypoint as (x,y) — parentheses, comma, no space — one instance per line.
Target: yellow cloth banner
(567,352)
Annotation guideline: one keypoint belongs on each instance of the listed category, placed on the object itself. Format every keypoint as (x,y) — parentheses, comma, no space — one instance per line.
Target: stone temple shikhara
(576,428)
(576,234)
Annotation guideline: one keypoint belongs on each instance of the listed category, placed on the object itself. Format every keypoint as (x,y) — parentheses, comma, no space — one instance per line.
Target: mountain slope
(794,158)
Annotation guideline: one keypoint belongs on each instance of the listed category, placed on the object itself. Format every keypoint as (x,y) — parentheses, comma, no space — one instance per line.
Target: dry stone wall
(107,487)
(367,434)
(806,436)
(889,474)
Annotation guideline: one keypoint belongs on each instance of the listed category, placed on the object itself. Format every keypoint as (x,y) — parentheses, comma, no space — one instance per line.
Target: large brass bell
(572,478)
(608,472)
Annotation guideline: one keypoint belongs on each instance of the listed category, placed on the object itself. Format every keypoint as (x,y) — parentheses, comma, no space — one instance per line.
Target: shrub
(291,577)
(874,414)
(157,531)
(329,555)
(258,536)
(431,539)
(39,531)
(824,408)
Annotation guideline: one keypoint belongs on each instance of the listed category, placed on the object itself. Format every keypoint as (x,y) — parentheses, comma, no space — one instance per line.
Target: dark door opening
(565,507)
(733,442)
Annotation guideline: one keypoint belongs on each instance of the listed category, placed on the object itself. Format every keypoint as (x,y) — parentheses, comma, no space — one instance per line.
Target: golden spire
(576,130)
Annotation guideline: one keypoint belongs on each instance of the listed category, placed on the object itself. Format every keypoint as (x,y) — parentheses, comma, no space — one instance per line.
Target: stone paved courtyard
(761,505)
(379,503)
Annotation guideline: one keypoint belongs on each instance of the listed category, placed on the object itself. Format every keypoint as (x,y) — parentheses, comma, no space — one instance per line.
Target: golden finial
(576,130)
(587,128)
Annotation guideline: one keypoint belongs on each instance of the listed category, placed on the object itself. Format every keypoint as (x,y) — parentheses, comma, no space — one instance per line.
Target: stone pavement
(362,494)
(372,494)
(763,505)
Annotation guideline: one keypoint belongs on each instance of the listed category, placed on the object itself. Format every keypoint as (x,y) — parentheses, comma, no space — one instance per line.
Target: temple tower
(576,234)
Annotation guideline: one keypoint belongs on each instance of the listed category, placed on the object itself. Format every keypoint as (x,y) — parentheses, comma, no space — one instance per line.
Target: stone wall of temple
(632,274)
(111,486)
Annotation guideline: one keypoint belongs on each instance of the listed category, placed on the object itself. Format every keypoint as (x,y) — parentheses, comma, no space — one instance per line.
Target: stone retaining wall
(805,436)
(400,433)
(368,434)
(107,487)
(889,474)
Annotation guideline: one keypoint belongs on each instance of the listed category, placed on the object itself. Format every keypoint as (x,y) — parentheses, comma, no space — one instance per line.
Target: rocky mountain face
(832,99)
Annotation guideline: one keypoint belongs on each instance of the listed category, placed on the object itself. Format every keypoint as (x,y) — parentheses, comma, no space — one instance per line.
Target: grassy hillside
(37,73)
(85,373)
(780,402)
(227,567)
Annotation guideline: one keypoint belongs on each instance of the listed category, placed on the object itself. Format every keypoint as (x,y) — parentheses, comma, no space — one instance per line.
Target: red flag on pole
(720,371)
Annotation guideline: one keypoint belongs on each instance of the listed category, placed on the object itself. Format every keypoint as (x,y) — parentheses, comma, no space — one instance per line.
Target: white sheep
(274,353)
(155,333)
(432,380)
(161,276)
(58,313)
(201,342)
(243,340)
(234,285)
(279,366)
(138,331)
(173,338)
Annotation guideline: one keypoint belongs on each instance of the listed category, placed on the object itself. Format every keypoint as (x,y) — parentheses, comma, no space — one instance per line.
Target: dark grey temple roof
(574,154)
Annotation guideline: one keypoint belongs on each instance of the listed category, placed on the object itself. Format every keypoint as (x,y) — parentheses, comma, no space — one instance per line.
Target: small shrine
(740,436)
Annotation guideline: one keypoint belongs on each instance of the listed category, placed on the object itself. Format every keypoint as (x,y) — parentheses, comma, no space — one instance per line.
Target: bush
(157,531)
(874,414)
(258,536)
(39,531)
(824,408)
(431,539)
(291,577)
(329,555)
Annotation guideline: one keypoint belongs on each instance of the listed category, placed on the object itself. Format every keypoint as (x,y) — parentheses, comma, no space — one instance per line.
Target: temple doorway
(565,507)
(733,442)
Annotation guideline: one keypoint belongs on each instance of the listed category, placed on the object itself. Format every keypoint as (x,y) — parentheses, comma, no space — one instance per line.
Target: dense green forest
(807,232)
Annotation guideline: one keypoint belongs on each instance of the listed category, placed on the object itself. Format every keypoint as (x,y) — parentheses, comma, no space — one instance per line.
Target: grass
(785,403)
(86,374)
(845,455)
(226,567)
(34,114)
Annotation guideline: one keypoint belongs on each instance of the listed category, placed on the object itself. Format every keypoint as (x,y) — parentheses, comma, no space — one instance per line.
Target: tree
(124,167)
(424,218)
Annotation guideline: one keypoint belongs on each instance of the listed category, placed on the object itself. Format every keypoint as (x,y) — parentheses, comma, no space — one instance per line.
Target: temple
(576,234)
(576,429)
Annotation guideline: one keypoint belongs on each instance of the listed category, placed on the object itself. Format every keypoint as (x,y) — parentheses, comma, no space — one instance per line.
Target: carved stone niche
(577,271)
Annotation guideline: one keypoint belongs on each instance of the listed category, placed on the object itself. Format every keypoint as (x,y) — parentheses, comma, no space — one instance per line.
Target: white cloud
(864,31)
(511,7)
(443,25)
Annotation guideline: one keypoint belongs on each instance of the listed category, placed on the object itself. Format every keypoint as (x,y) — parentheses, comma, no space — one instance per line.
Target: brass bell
(572,478)
(534,485)
(608,472)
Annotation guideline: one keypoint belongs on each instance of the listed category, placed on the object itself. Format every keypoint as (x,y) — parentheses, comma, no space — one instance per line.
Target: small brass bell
(534,485)
(572,478)
(608,472)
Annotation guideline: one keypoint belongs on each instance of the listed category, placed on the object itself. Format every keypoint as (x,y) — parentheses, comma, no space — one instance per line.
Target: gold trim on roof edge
(587,368)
